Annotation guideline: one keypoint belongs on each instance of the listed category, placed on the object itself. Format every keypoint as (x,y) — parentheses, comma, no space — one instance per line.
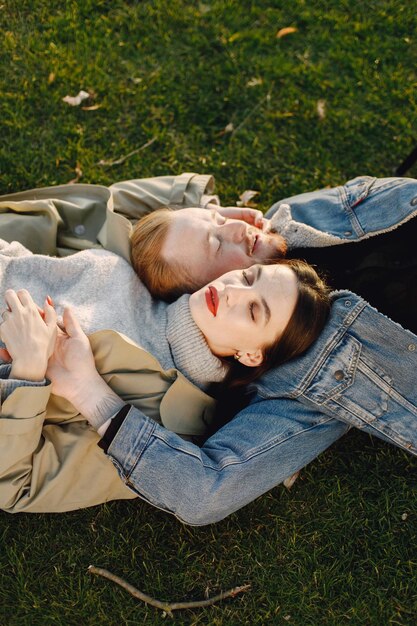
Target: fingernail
(49,300)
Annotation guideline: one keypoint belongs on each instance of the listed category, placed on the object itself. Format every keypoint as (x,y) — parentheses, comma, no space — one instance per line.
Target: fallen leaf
(204,8)
(286,31)
(94,107)
(246,198)
(321,109)
(404,517)
(288,482)
(75,101)
(233,37)
(78,172)
(253,82)
(51,77)
(229,128)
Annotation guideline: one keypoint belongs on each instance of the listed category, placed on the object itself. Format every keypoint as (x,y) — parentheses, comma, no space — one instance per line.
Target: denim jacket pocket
(336,372)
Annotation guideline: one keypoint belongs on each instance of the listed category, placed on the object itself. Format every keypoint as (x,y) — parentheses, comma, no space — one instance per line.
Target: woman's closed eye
(247,278)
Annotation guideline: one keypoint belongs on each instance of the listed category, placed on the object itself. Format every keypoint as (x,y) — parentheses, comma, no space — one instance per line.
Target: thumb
(71,324)
(5,356)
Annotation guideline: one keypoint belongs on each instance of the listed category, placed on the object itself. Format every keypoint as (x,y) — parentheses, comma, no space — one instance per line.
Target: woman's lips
(212,299)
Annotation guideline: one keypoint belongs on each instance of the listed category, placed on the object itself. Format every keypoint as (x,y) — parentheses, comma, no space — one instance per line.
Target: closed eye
(247,278)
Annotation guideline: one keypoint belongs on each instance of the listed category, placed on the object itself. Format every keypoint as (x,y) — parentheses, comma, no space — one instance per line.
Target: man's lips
(212,299)
(253,243)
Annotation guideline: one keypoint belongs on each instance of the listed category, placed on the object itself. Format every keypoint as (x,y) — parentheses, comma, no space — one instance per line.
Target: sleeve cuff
(114,426)
(8,385)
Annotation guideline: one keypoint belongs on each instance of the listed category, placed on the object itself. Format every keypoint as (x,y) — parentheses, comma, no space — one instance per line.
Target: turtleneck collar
(189,349)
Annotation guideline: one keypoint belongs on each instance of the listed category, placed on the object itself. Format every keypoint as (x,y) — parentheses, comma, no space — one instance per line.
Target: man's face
(208,245)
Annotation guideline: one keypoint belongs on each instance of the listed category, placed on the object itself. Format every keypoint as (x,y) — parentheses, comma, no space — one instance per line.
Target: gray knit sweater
(106,293)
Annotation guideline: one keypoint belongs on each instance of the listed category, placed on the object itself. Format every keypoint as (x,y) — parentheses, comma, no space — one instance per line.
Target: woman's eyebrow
(267,310)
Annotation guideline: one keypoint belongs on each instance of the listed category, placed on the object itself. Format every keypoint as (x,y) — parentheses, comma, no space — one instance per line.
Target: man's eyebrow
(267,310)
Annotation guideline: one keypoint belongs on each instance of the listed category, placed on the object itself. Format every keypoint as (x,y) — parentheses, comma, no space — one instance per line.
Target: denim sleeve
(258,449)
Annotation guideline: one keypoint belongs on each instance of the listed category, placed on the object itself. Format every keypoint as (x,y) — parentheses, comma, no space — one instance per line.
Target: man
(360,373)
(196,245)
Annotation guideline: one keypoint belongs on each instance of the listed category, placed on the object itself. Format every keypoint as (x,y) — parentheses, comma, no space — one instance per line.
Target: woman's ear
(251,359)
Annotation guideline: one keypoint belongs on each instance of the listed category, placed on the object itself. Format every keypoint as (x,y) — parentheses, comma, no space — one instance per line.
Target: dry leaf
(204,8)
(75,101)
(246,198)
(94,107)
(288,482)
(229,128)
(321,109)
(51,77)
(253,82)
(79,173)
(286,31)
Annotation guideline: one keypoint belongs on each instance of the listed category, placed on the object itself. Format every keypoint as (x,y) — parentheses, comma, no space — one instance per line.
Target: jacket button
(414,201)
(339,375)
(79,230)
(348,303)
(412,347)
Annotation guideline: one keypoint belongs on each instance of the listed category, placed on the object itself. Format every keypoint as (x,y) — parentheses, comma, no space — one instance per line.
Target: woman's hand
(28,335)
(254,217)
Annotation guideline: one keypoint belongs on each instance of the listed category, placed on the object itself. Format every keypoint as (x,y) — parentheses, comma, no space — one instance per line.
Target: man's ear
(251,359)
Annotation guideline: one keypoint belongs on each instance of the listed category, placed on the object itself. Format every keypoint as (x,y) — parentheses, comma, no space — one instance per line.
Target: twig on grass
(126,156)
(262,101)
(168,607)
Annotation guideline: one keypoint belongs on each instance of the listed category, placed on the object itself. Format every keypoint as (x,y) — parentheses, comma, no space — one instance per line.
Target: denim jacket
(359,373)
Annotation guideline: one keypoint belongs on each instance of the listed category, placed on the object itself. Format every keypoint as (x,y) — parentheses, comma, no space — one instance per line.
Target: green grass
(336,549)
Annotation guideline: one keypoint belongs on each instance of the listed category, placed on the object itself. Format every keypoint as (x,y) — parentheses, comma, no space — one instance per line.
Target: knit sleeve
(8,385)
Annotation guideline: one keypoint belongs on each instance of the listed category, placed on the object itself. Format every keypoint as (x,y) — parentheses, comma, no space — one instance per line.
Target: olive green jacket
(49,458)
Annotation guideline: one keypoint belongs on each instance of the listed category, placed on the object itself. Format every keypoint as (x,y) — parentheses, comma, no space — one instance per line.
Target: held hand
(71,367)
(28,336)
(250,216)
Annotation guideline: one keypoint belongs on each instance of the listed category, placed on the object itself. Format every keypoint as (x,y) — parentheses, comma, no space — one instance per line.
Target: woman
(54,463)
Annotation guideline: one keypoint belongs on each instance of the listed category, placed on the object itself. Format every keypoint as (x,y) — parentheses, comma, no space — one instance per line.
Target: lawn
(209,87)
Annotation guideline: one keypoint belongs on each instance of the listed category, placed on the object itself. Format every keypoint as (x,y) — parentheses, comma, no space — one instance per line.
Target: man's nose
(234,232)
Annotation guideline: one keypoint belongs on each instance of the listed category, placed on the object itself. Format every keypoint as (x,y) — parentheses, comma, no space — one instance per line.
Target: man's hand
(29,335)
(73,374)
(254,217)
(71,367)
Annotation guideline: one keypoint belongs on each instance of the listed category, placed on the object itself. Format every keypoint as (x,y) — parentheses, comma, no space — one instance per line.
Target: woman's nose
(236,294)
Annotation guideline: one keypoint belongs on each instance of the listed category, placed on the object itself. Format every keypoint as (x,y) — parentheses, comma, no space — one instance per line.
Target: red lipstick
(212,300)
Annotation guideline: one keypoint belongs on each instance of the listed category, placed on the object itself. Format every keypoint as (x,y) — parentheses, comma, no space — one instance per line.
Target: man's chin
(277,248)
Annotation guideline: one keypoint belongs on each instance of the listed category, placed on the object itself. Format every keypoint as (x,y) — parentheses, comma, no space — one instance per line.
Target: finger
(25,297)
(266,225)
(12,300)
(71,323)
(5,356)
(50,316)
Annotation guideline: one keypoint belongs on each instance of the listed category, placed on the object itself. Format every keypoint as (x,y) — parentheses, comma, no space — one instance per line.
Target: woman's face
(244,310)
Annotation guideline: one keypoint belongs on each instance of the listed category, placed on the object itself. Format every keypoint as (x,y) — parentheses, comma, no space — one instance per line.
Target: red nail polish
(49,300)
